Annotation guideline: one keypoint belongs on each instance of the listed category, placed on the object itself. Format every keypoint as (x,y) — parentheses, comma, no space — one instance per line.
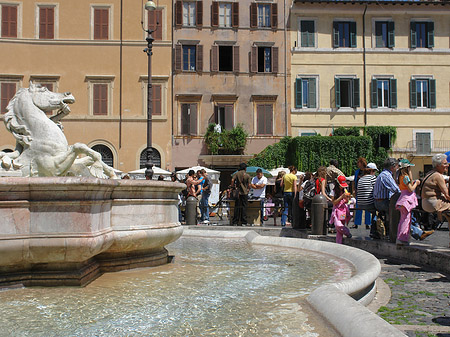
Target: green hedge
(272,156)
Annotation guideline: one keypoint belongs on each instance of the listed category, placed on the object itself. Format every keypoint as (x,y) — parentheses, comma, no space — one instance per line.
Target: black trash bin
(319,206)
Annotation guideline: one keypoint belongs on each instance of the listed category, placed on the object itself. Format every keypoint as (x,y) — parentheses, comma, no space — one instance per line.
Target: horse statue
(41,146)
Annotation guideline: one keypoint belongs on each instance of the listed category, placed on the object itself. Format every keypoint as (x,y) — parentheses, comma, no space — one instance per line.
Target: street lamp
(149,6)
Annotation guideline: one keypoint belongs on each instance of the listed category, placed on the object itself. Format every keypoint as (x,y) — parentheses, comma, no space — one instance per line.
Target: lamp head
(150,6)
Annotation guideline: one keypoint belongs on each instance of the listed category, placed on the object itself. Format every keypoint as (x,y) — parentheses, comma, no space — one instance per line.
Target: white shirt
(259,192)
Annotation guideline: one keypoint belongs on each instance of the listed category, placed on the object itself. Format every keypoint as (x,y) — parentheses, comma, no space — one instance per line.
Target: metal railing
(428,148)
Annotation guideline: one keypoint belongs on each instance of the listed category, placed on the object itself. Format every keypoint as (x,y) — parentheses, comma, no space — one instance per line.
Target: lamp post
(149,6)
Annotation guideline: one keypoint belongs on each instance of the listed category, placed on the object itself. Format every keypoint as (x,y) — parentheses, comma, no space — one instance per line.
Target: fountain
(62,222)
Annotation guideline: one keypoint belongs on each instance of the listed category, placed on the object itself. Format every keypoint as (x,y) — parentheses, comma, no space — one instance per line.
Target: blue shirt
(385,186)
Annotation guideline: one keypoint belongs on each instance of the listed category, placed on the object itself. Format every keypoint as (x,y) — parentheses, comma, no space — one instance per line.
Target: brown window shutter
(274,18)
(193,120)
(236,59)
(260,112)
(228,117)
(156,99)
(184,119)
(178,13)
(235,14)
(199,11)
(254,59)
(215,14)
(269,120)
(253,15)
(8,90)
(101,24)
(216,114)
(9,21)
(100,99)
(178,55)
(214,58)
(155,23)
(275,60)
(105,24)
(199,58)
(46,22)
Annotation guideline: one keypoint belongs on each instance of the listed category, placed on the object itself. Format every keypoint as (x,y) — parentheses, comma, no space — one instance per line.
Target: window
(188,13)
(422,93)
(101,23)
(223,115)
(264,15)
(9,21)
(305,93)
(106,153)
(46,22)
(100,95)
(264,59)
(224,14)
(264,119)
(224,58)
(189,118)
(384,34)
(100,98)
(307,31)
(155,158)
(188,57)
(344,34)
(155,18)
(384,93)
(346,92)
(7,92)
(423,142)
(422,34)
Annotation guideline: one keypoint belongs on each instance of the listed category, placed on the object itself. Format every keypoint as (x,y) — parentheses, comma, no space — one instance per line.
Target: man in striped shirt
(385,186)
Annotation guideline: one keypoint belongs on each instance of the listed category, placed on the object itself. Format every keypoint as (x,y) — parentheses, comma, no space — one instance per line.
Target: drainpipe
(364,66)
(120,74)
(285,72)
(172,84)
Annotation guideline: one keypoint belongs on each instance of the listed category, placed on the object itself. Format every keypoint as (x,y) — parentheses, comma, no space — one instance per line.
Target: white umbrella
(157,171)
(278,170)
(213,173)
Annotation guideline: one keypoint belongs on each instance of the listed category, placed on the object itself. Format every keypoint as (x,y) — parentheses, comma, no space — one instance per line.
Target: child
(340,215)
(406,202)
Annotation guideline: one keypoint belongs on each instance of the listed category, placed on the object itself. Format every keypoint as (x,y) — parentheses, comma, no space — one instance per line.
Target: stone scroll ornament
(41,146)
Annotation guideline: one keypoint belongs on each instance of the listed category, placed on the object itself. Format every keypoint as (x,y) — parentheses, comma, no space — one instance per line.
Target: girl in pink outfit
(406,202)
(340,215)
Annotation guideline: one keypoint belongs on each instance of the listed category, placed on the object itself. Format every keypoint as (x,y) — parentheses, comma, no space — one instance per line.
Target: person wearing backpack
(289,191)
(278,196)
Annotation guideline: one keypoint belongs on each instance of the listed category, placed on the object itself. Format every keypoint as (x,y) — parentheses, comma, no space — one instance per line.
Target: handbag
(234,194)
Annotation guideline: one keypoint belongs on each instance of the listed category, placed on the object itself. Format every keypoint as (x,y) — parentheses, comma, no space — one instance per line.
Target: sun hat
(342,181)
(404,163)
(372,166)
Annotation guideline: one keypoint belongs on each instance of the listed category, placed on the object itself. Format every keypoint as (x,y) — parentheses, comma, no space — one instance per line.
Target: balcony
(426,148)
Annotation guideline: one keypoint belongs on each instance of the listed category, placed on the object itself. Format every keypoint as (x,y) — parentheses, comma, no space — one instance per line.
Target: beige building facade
(94,49)
(383,63)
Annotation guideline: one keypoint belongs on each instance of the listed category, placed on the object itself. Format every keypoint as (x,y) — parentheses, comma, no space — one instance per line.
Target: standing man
(385,187)
(290,190)
(258,190)
(206,193)
(241,180)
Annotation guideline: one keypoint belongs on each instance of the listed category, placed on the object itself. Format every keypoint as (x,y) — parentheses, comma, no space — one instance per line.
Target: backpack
(309,191)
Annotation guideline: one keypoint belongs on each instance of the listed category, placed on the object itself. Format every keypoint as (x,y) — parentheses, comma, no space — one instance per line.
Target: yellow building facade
(381,63)
(94,49)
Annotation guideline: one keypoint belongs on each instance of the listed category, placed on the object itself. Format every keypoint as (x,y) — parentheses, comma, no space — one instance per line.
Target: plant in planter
(226,142)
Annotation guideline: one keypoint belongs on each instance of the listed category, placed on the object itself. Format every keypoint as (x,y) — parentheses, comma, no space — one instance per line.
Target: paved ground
(419,301)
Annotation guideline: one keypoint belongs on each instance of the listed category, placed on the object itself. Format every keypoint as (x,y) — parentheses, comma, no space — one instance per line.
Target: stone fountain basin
(70,230)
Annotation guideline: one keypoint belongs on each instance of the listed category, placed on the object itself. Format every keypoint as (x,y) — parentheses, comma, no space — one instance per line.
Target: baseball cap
(372,166)
(342,181)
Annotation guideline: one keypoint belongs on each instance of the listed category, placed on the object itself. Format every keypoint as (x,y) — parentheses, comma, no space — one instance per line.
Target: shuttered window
(384,93)
(156,99)
(155,23)
(307,31)
(9,21)
(264,15)
(344,34)
(46,22)
(347,92)
(101,24)
(8,90)
(225,15)
(422,93)
(423,143)
(189,119)
(223,115)
(305,93)
(264,59)
(264,119)
(384,34)
(422,34)
(100,99)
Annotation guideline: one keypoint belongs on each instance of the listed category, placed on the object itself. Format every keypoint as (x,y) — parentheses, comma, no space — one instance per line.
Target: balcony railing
(428,148)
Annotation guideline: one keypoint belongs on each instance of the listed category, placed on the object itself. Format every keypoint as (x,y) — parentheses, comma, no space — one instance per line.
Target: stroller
(221,206)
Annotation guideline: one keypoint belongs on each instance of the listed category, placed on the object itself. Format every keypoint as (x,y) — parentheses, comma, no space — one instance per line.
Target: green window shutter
(337,92)
(430,34)
(335,35)
(413,34)
(412,94)
(353,34)
(298,93)
(356,92)
(312,93)
(432,93)
(393,92)
(391,34)
(374,94)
